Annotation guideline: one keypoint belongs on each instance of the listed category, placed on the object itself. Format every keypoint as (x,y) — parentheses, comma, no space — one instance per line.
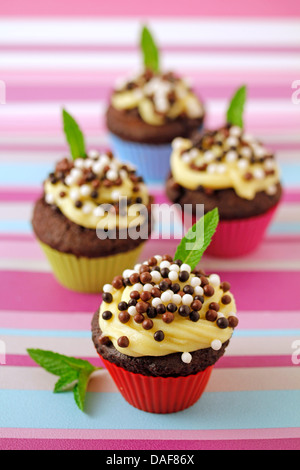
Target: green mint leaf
(79,390)
(198,238)
(66,382)
(52,362)
(74,373)
(74,136)
(236,107)
(150,50)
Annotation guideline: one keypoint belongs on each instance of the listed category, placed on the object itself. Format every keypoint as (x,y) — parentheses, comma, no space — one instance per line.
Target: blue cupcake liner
(151,161)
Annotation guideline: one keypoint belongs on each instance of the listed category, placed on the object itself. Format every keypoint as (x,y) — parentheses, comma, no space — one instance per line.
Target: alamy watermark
(2,352)
(296,94)
(296,353)
(2,92)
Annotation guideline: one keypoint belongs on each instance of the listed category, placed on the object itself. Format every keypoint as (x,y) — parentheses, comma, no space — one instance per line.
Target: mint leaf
(74,136)
(66,382)
(150,50)
(79,390)
(74,373)
(236,107)
(198,238)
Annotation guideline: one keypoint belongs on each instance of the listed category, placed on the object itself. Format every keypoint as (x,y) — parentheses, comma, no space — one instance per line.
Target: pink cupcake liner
(235,238)
(159,394)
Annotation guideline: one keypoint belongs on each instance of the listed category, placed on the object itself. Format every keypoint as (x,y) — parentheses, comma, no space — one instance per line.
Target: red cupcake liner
(159,394)
(235,238)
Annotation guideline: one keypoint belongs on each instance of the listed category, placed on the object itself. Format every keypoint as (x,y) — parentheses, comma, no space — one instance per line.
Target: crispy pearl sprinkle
(162,291)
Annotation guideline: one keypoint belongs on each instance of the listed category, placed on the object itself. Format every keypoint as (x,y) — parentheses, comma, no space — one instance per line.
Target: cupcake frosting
(159,98)
(97,192)
(162,307)
(223,159)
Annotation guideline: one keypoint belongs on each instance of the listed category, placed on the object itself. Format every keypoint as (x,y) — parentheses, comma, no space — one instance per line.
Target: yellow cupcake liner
(89,275)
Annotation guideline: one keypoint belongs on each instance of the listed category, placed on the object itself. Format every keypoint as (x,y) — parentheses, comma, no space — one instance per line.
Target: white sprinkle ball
(158,258)
(93,153)
(138,287)
(156,277)
(74,194)
(209,156)
(79,163)
(232,141)
(112,175)
(243,164)
(49,198)
(235,131)
(259,173)
(195,282)
(148,287)
(85,190)
(215,280)
(199,290)
(186,267)
(156,302)
(174,267)
(187,299)
(69,180)
(87,208)
(231,156)
(216,345)
(166,297)
(186,357)
(165,264)
(173,276)
(137,267)
(272,190)
(176,299)
(108,288)
(132,310)
(99,211)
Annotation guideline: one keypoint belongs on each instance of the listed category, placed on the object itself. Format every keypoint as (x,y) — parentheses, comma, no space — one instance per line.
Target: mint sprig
(74,136)
(198,238)
(74,374)
(150,50)
(236,107)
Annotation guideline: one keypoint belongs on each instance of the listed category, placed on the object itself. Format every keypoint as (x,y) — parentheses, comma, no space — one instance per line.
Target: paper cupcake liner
(235,238)
(88,275)
(159,394)
(152,161)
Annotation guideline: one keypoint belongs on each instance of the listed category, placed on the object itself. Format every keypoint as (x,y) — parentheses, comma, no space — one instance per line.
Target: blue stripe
(87,334)
(215,410)
(28,174)
(15,226)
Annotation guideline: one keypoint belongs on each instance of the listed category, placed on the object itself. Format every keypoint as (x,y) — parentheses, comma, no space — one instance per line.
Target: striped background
(70,54)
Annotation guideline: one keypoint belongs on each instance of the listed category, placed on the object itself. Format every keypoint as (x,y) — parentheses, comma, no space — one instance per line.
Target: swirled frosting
(226,158)
(159,98)
(97,192)
(161,307)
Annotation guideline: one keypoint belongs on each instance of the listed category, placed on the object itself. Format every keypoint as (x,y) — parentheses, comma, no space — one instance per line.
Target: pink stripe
(148,444)
(157,434)
(226,362)
(179,48)
(218,8)
(13,194)
(48,93)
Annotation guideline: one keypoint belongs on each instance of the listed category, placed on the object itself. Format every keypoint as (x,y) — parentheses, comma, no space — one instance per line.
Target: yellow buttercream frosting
(181,335)
(158,98)
(90,189)
(225,160)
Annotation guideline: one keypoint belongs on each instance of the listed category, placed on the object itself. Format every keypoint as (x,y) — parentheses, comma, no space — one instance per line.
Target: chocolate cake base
(170,365)
(230,205)
(55,230)
(129,126)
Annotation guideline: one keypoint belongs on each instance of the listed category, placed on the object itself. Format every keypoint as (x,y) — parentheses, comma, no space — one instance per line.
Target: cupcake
(148,111)
(94,216)
(233,171)
(160,330)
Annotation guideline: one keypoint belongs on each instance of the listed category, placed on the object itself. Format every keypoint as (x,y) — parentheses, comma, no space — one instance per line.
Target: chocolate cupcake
(93,218)
(233,171)
(148,111)
(160,329)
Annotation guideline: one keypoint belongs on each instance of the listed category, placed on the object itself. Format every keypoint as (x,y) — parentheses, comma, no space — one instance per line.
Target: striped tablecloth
(60,55)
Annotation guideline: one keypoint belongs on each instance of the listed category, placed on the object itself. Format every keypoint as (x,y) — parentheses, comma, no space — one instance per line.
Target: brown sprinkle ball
(138,318)
(152,261)
(147,324)
(194,316)
(124,317)
(104,340)
(145,278)
(142,307)
(123,342)
(107,298)
(225,286)
(233,321)
(159,336)
(211,315)
(118,282)
(146,296)
(134,278)
(208,290)
(222,323)
(196,305)
(155,292)
(168,317)
(135,295)
(214,306)
(107,315)
(226,299)
(145,269)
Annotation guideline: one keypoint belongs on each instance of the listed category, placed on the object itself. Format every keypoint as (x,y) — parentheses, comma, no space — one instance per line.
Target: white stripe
(48,110)
(88,31)
(130,61)
(50,157)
